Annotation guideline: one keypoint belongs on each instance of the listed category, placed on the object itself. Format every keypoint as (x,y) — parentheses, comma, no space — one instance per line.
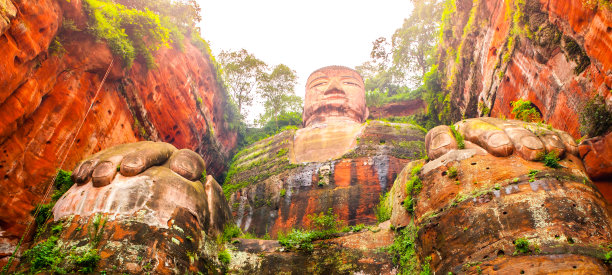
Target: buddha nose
(334,87)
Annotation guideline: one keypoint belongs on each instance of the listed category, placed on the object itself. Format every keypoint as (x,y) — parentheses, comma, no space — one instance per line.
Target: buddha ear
(367,114)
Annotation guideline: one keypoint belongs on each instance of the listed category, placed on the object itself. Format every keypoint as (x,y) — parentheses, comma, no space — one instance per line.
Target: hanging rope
(49,187)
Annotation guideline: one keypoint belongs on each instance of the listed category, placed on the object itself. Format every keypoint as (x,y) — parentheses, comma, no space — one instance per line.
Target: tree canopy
(242,71)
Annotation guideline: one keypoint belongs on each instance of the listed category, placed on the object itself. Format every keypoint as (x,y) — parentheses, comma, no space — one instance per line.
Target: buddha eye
(351,83)
(319,84)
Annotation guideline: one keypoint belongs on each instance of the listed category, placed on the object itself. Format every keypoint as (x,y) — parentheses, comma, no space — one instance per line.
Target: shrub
(224,257)
(458,137)
(452,172)
(283,192)
(128,32)
(231,231)
(45,255)
(324,226)
(297,239)
(403,250)
(383,209)
(63,182)
(551,159)
(595,118)
(522,246)
(525,111)
(325,222)
(87,261)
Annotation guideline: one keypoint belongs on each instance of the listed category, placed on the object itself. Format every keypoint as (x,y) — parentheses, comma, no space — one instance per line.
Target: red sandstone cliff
(44,98)
(554,53)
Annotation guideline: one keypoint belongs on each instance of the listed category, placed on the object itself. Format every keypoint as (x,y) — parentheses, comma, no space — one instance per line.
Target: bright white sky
(304,35)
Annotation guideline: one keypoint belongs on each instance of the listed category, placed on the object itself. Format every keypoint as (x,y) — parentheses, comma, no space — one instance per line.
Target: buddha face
(334,93)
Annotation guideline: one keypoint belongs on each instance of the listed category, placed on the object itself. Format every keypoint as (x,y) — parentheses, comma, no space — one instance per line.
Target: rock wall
(44,96)
(553,53)
(397,109)
(268,194)
(505,215)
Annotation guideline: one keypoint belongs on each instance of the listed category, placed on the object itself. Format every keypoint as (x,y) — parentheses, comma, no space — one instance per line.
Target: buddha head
(334,94)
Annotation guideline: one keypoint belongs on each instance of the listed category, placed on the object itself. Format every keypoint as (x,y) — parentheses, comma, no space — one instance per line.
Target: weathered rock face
(353,253)
(397,109)
(553,53)
(45,96)
(270,194)
(597,156)
(163,219)
(480,213)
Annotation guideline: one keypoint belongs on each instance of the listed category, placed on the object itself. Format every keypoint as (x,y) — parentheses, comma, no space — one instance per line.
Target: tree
(413,44)
(242,71)
(277,91)
(405,61)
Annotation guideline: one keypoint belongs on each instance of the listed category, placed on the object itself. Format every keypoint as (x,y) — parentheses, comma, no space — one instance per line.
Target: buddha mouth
(335,96)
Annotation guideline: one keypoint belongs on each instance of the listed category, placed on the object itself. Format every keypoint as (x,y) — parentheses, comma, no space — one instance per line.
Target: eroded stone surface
(474,207)
(597,156)
(543,67)
(44,97)
(350,186)
(362,252)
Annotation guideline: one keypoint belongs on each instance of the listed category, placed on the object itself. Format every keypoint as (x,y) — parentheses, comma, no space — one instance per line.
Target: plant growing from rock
(522,246)
(525,111)
(595,117)
(551,159)
(383,210)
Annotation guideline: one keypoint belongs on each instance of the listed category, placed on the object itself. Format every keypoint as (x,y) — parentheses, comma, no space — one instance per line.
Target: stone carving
(147,188)
(334,110)
(336,161)
(334,94)
(477,202)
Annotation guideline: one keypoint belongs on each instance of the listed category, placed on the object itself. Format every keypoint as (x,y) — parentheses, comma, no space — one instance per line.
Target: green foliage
(413,187)
(230,231)
(44,213)
(376,98)
(608,257)
(297,239)
(277,92)
(283,192)
(56,48)
(438,101)
(87,261)
(325,222)
(324,226)
(452,172)
(56,229)
(551,159)
(576,54)
(458,137)
(353,228)
(243,73)
(403,250)
(63,182)
(285,121)
(595,117)
(525,111)
(383,209)
(224,257)
(522,246)
(532,174)
(97,228)
(484,110)
(45,256)
(282,152)
(130,33)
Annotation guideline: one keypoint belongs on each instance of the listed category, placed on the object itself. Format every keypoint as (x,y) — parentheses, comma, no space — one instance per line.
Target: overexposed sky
(304,35)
